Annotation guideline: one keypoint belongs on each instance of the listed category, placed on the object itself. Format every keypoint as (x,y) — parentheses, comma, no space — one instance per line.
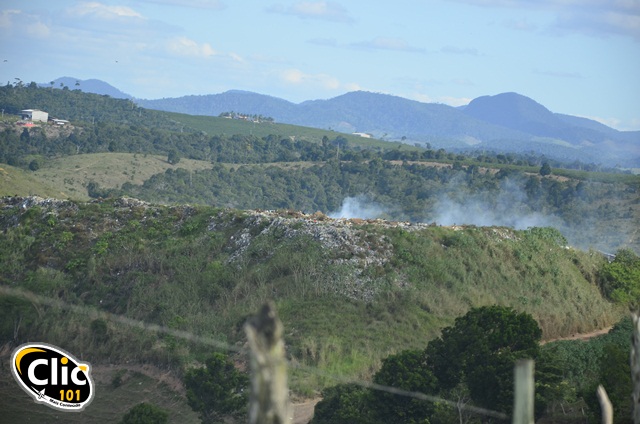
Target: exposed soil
(580,336)
(303,412)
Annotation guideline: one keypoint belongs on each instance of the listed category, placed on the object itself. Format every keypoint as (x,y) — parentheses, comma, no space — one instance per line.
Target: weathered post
(524,393)
(269,397)
(605,405)
(635,366)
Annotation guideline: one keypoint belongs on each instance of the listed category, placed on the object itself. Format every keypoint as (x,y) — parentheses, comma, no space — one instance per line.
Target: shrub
(145,413)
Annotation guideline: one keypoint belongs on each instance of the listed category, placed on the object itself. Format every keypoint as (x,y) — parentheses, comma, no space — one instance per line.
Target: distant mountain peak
(94,86)
(512,110)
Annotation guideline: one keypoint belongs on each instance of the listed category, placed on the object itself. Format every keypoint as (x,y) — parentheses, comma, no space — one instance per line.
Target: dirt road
(580,336)
(303,412)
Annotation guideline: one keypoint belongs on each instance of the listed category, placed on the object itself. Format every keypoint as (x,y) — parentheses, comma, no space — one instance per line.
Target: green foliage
(583,365)
(614,374)
(203,270)
(344,404)
(16,317)
(217,391)
(481,349)
(116,380)
(615,377)
(408,371)
(145,413)
(620,279)
(173,157)
(545,169)
(34,165)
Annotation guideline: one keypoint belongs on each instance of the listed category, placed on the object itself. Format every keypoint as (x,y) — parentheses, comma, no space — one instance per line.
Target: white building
(34,115)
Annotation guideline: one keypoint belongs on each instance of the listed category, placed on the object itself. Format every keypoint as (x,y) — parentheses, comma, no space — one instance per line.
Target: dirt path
(580,336)
(303,412)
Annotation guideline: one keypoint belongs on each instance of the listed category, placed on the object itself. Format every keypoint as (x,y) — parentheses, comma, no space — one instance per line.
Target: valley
(188,226)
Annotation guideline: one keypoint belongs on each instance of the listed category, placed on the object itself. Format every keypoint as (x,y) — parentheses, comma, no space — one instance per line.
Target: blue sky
(579,57)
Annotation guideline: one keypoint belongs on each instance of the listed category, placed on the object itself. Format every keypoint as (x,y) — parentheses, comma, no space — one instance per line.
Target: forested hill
(318,171)
(367,248)
(387,286)
(507,122)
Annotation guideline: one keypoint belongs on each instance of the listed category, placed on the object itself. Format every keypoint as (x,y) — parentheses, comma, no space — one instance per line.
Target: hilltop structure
(34,115)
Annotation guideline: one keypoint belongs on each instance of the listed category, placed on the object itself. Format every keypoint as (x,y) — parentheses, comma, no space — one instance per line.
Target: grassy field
(214,125)
(16,181)
(110,403)
(67,177)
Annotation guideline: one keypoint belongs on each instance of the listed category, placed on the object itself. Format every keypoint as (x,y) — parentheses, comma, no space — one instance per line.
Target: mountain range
(504,123)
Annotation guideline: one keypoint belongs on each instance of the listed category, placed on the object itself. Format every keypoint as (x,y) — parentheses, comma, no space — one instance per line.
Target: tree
(173,158)
(545,169)
(615,377)
(480,351)
(25,137)
(145,413)
(406,370)
(620,279)
(34,165)
(218,390)
(343,404)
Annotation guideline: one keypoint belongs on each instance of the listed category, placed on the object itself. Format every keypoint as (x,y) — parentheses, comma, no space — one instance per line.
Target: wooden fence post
(635,366)
(524,394)
(269,397)
(605,405)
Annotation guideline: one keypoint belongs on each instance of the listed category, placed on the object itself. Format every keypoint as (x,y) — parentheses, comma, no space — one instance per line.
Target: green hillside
(239,217)
(349,292)
(216,125)
(72,174)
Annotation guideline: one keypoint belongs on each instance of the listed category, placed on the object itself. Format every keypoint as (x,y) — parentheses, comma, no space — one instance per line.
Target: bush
(173,158)
(34,165)
(217,391)
(480,351)
(620,279)
(343,404)
(145,413)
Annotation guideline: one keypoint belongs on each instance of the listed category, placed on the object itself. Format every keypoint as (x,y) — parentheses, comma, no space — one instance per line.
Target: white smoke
(358,207)
(507,209)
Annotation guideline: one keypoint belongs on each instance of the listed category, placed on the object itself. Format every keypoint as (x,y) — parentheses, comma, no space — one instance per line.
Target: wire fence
(95,313)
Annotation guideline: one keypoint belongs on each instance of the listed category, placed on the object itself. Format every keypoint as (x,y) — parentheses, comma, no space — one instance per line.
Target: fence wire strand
(209,341)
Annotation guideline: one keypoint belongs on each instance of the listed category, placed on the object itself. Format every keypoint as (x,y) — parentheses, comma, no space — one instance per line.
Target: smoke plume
(358,207)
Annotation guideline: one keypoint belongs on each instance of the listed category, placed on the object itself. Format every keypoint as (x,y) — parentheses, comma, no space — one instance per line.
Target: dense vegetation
(402,182)
(390,288)
(132,259)
(414,192)
(472,364)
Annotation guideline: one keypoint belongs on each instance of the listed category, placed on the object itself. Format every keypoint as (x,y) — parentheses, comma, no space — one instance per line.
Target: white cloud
(591,17)
(6,17)
(388,43)
(38,30)
(26,24)
(447,100)
(327,82)
(323,10)
(454,101)
(632,124)
(352,86)
(183,46)
(104,11)
(197,4)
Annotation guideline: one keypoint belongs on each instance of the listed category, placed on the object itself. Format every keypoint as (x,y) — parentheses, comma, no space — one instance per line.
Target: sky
(578,57)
